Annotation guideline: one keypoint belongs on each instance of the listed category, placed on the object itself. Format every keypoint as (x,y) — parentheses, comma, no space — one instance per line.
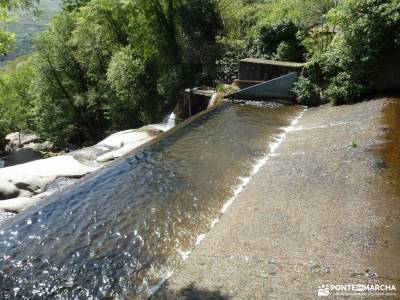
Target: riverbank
(323,210)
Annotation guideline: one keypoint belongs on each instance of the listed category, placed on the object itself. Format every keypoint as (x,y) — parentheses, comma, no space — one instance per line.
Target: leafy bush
(279,40)
(71,5)
(370,32)
(343,90)
(228,65)
(15,98)
(289,51)
(307,93)
(137,101)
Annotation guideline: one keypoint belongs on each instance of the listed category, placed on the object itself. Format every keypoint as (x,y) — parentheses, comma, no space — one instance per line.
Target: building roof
(273,62)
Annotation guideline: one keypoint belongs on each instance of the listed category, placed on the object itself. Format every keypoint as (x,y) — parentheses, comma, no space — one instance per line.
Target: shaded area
(22,156)
(191,292)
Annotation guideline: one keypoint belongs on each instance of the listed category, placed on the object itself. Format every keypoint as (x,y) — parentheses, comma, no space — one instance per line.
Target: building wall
(264,70)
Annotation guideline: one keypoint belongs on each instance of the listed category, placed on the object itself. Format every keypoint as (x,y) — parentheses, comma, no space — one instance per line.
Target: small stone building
(252,71)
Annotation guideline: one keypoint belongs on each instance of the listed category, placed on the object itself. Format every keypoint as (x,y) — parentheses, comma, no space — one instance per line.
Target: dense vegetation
(106,65)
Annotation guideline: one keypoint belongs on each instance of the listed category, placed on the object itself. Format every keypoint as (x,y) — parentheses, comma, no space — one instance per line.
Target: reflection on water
(118,233)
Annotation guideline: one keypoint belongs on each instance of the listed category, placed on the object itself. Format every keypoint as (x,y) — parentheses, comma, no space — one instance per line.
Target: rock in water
(19,204)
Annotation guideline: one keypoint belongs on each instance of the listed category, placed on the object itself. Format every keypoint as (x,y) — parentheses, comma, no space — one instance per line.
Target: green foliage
(323,66)
(66,97)
(307,93)
(369,31)
(74,55)
(305,14)
(7,39)
(71,5)
(344,90)
(228,65)
(134,82)
(201,23)
(277,41)
(353,145)
(110,65)
(281,41)
(15,99)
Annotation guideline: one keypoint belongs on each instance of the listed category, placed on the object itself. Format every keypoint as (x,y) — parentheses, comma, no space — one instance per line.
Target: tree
(363,52)
(7,39)
(15,99)
(279,41)
(201,24)
(134,80)
(64,87)
(71,5)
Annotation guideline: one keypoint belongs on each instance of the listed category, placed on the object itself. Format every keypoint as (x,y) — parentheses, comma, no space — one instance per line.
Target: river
(123,231)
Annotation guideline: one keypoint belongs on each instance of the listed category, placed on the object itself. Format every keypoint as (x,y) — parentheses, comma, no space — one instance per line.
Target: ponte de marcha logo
(323,291)
(326,290)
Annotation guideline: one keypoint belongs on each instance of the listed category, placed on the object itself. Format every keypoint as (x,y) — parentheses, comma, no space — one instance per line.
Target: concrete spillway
(119,233)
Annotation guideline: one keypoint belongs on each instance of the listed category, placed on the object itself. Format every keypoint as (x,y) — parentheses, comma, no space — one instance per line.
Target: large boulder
(22,183)
(121,143)
(33,177)
(8,190)
(19,204)
(17,140)
(44,147)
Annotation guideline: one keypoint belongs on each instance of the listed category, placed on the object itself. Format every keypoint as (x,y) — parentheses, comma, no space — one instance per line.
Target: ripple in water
(119,233)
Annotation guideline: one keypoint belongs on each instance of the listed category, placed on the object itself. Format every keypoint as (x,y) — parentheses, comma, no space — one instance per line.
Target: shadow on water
(191,292)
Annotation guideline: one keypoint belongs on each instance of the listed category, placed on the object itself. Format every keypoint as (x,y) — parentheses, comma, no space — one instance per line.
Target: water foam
(260,163)
(155,288)
(168,123)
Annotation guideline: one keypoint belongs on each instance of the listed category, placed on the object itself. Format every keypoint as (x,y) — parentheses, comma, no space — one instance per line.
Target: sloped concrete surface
(322,211)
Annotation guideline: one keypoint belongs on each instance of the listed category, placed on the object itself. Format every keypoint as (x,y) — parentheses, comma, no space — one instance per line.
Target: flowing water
(170,121)
(120,232)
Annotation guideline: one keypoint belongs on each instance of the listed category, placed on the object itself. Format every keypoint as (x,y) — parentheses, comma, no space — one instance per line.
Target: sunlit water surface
(118,233)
